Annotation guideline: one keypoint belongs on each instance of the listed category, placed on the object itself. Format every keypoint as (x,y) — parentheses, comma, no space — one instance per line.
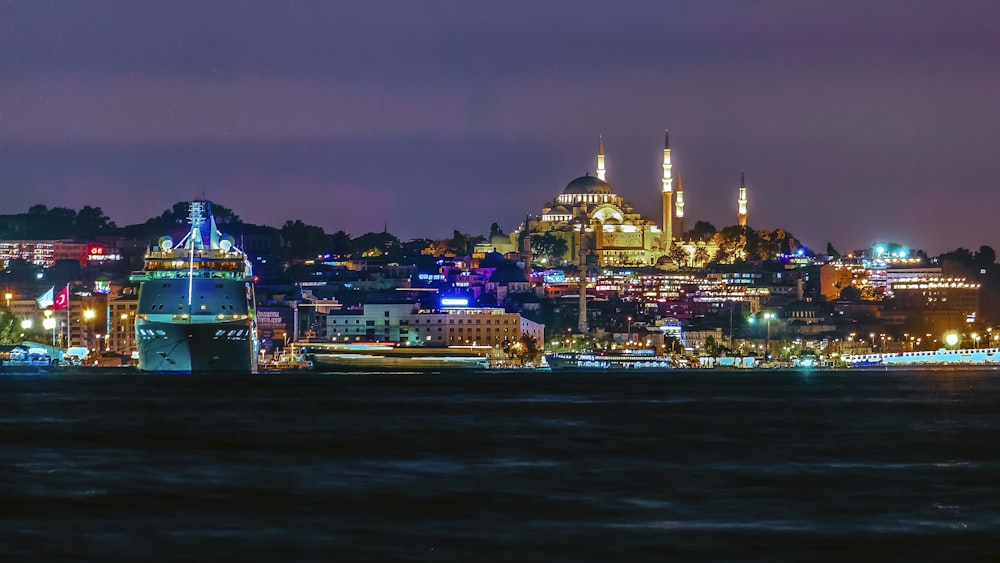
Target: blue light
(454,302)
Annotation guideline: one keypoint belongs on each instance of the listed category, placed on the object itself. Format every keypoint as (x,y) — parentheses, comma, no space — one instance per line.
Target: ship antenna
(196,216)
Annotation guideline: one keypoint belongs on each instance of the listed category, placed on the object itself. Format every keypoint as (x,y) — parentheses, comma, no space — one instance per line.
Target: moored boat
(605,360)
(378,356)
(196,308)
(940,357)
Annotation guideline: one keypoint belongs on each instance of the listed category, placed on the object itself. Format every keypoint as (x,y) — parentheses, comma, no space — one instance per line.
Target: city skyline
(856,122)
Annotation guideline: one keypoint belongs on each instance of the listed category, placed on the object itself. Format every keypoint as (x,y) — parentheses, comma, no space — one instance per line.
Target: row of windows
(439,321)
(406,330)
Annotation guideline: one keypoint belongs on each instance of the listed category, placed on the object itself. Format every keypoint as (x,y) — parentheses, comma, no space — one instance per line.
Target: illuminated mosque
(596,221)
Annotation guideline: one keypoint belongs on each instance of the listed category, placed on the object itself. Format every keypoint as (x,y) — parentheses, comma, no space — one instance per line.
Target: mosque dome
(559,210)
(508,273)
(588,185)
(492,260)
(499,238)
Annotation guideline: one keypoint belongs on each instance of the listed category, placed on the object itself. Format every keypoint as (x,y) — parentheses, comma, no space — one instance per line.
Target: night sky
(855,121)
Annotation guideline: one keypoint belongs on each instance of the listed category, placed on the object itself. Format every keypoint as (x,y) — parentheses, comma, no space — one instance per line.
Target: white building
(408,325)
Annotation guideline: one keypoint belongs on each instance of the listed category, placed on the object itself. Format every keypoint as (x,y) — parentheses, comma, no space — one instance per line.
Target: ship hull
(597,362)
(356,362)
(363,357)
(196,347)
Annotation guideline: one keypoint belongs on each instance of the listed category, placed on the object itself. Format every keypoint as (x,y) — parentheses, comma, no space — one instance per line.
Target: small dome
(587,185)
(559,210)
(492,260)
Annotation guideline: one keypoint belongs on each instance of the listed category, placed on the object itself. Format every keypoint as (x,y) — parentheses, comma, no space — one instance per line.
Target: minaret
(582,319)
(601,171)
(668,195)
(741,215)
(680,206)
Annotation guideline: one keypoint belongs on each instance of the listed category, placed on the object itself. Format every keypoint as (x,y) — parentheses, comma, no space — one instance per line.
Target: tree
(91,221)
(679,255)
(12,334)
(985,257)
(711,346)
(831,251)
(960,261)
(45,223)
(528,349)
(339,244)
(376,244)
(850,293)
(302,240)
(440,247)
(10,329)
(702,231)
(732,241)
(549,246)
(722,256)
(701,256)
(459,244)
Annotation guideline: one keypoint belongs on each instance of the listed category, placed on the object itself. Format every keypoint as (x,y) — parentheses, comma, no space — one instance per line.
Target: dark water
(99,466)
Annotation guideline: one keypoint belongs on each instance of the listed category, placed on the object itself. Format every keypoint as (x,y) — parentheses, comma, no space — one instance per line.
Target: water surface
(734,466)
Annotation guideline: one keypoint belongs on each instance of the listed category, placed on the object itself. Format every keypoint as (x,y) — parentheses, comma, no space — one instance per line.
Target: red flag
(62,299)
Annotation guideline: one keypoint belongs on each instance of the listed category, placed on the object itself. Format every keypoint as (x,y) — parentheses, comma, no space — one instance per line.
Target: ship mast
(196,216)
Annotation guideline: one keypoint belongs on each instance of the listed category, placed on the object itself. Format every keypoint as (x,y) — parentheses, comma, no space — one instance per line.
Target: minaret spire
(668,196)
(680,206)
(601,170)
(741,214)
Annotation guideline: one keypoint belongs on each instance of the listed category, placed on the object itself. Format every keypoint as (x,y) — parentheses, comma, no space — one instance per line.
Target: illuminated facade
(595,221)
(409,325)
(589,215)
(940,303)
(44,253)
(121,324)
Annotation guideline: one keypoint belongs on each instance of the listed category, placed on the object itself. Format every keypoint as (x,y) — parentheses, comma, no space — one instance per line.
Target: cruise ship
(609,360)
(196,302)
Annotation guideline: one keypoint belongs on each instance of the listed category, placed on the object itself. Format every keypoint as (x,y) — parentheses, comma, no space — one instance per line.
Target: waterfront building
(45,253)
(408,324)
(121,324)
(937,303)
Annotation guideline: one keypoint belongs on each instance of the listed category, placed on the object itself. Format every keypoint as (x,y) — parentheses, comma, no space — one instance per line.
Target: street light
(975,339)
(951,339)
(767,340)
(50,324)
(8,296)
(88,316)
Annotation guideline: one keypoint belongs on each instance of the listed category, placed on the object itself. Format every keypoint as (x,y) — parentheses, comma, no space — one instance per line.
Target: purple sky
(855,121)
